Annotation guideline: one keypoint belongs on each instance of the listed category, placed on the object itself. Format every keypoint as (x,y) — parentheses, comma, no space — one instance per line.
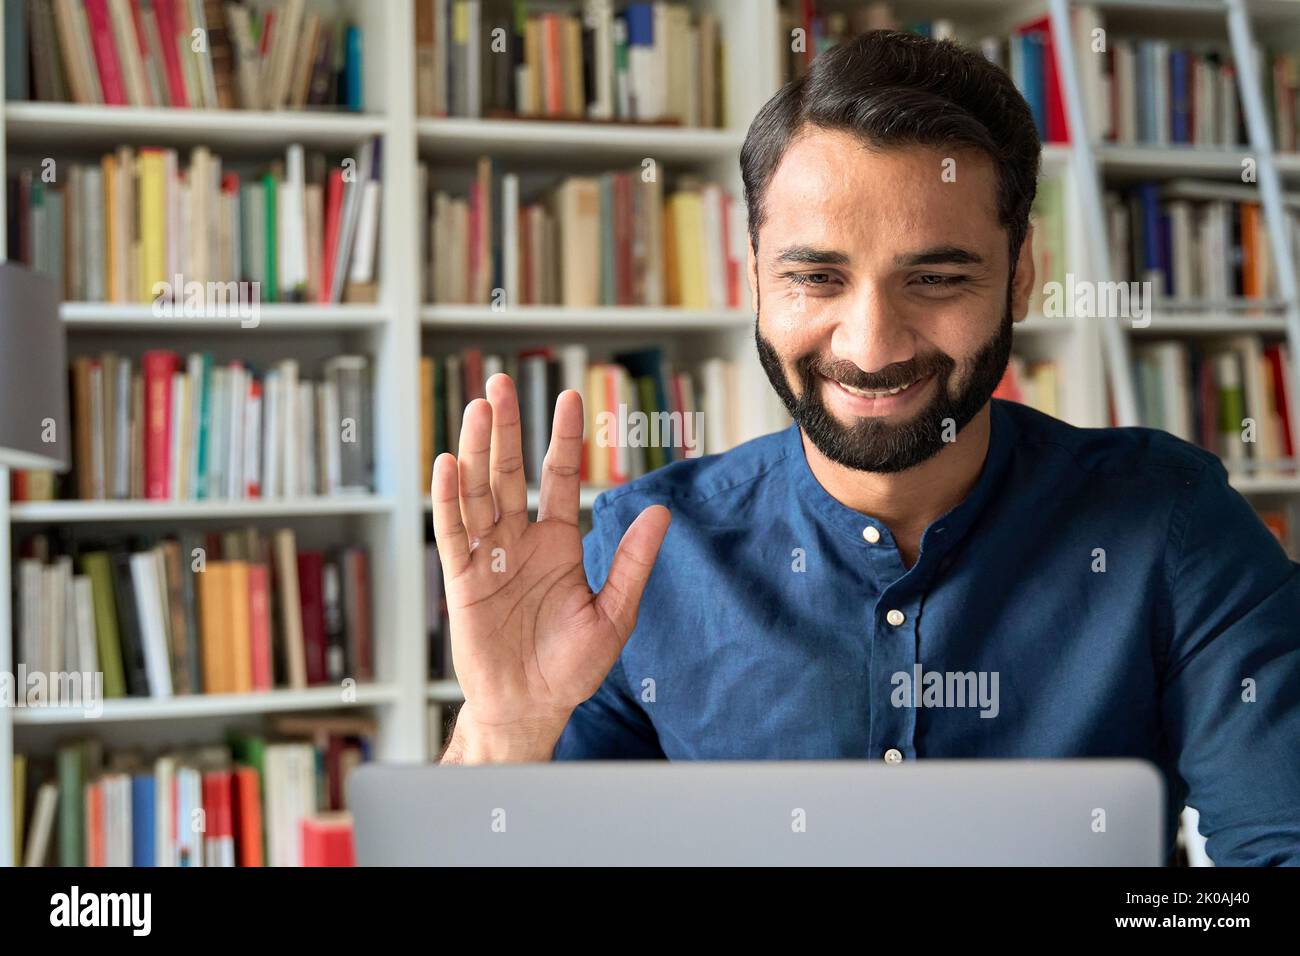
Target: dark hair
(901,89)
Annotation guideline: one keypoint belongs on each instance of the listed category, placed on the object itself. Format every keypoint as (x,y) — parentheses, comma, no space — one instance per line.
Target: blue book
(640,19)
(352,69)
(1180,95)
(1149,198)
(143,852)
(1033,49)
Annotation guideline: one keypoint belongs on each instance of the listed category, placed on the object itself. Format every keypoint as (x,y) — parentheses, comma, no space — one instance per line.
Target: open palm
(530,641)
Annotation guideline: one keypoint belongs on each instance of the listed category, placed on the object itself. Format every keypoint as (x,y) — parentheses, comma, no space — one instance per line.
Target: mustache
(891,376)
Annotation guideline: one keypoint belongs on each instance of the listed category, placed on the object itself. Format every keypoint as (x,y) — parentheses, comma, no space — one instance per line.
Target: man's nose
(870,331)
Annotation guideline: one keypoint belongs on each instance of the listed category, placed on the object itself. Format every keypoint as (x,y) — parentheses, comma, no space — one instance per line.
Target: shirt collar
(942,533)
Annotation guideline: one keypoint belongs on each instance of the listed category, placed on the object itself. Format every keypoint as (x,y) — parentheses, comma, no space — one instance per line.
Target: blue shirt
(1128,600)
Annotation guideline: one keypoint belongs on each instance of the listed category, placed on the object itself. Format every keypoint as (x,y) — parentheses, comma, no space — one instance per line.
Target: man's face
(877,272)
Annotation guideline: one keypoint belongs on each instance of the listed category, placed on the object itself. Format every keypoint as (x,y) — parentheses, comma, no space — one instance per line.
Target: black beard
(871,444)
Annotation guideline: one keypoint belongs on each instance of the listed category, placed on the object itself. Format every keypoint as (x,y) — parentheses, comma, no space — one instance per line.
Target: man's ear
(1022,288)
(751,268)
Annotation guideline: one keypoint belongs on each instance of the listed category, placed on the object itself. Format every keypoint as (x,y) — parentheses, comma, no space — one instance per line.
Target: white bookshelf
(401,327)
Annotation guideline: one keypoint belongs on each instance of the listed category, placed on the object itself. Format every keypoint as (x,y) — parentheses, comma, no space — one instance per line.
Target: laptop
(799,813)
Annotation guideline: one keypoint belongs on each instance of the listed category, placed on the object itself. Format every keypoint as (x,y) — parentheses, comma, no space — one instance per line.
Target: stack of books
(1231,396)
(646,62)
(604,240)
(193,430)
(642,413)
(1028,53)
(196,614)
(1153,92)
(1195,241)
(250,802)
(201,240)
(203,54)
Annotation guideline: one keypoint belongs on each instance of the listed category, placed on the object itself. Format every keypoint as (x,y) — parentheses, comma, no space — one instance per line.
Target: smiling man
(913,570)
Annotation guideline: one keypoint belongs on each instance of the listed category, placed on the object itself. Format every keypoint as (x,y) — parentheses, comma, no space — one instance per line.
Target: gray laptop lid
(976,812)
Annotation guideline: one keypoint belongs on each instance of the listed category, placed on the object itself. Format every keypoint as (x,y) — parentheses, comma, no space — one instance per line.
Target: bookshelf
(401,326)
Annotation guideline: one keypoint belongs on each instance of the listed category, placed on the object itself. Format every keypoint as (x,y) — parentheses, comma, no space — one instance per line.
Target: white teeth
(861,393)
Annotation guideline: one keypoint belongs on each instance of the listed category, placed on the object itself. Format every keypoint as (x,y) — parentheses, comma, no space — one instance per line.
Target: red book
(1058,130)
(159,366)
(101,36)
(259,612)
(356,571)
(164,13)
(327,840)
(246,812)
(17,485)
(733,266)
(219,824)
(1281,393)
(333,209)
(141,41)
(313,614)
(553,73)
(472,363)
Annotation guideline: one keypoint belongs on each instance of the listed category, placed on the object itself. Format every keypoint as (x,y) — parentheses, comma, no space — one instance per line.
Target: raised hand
(530,641)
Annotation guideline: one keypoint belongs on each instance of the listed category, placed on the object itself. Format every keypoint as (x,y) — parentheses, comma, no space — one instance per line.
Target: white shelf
(1254,485)
(546,318)
(211,705)
(554,140)
(48,124)
(42,512)
(1208,324)
(273,317)
(445,692)
(1162,160)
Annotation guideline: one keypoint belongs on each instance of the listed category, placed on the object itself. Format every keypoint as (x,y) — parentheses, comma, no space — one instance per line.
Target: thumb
(619,599)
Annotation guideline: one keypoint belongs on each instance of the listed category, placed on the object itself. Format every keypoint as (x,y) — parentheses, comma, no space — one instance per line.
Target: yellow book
(20,805)
(215,625)
(426,424)
(688,225)
(109,167)
(597,456)
(153,221)
(240,662)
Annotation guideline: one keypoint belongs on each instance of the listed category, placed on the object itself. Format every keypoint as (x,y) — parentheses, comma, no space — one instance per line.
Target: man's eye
(810,278)
(941,280)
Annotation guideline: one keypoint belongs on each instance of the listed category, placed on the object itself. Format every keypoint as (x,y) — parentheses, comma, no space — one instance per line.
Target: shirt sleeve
(1231,692)
(610,725)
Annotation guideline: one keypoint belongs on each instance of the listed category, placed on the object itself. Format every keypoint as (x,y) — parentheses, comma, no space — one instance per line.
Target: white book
(253,442)
(306,436)
(510,237)
(87,648)
(53,602)
(715,253)
(270,436)
(598,16)
(92,183)
(288,427)
(237,391)
(293,222)
(165,822)
(96,431)
(363,256)
(331,439)
(42,826)
(70,658)
(349,216)
(473,60)
(157,661)
(713,374)
(28,647)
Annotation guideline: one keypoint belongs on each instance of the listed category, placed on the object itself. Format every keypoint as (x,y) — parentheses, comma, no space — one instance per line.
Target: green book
(97,566)
(72,805)
(271,289)
(203,395)
(19,805)
(645,389)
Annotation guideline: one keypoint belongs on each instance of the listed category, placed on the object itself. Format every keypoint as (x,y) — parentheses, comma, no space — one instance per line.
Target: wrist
(528,740)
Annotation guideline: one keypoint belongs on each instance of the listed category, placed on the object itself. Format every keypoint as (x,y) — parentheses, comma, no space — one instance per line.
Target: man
(913,570)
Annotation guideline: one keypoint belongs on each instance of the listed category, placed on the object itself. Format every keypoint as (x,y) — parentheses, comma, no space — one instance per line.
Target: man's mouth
(878,392)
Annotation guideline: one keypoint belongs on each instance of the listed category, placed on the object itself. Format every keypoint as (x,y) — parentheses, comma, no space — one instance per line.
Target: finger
(448,529)
(562,470)
(507,460)
(476,506)
(635,558)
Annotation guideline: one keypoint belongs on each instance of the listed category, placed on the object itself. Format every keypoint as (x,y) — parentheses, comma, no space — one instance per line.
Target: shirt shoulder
(1121,456)
(711,484)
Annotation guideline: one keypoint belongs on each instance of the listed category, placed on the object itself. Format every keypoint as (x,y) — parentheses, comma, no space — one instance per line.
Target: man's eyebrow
(809,256)
(942,255)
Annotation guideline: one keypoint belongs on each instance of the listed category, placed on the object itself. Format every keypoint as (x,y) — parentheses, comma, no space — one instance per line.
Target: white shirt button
(895,617)
(893,757)
(871,533)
